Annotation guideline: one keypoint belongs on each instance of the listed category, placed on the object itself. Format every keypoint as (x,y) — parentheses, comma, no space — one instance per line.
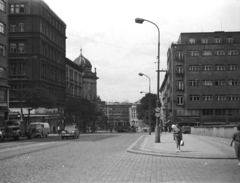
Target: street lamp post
(149,103)
(157,133)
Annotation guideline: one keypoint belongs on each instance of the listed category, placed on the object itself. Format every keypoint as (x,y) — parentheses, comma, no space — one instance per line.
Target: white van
(43,129)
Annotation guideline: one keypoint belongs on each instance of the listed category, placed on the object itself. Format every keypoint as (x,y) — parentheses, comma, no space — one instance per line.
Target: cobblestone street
(102,157)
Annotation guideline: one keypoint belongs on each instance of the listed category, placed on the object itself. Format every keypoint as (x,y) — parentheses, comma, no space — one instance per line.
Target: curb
(138,148)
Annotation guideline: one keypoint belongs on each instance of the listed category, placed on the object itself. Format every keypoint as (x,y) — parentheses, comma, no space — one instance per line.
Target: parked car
(38,129)
(186,129)
(70,131)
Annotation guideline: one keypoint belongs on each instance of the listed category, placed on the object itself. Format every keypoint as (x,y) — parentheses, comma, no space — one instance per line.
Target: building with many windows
(201,86)
(36,51)
(118,113)
(74,79)
(4,88)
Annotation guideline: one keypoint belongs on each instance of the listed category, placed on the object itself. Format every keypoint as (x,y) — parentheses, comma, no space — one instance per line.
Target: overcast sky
(120,49)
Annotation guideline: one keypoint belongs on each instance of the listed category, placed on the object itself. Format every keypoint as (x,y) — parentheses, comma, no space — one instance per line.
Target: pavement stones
(196,146)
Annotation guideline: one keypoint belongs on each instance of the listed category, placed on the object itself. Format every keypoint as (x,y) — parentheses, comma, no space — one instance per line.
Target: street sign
(157,114)
(157,109)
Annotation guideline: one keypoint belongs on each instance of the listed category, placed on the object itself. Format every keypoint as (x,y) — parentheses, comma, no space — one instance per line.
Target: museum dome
(82,61)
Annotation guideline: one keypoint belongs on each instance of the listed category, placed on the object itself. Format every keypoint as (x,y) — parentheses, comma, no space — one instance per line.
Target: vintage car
(70,131)
(38,129)
(186,129)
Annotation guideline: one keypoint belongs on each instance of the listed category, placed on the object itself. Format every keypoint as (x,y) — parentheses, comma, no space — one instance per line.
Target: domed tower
(89,78)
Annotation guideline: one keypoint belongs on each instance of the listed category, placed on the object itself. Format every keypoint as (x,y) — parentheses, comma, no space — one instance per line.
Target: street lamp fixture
(149,104)
(157,134)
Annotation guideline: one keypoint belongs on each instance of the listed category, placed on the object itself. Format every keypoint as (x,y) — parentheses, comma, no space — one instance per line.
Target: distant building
(133,119)
(202,83)
(117,113)
(89,90)
(4,88)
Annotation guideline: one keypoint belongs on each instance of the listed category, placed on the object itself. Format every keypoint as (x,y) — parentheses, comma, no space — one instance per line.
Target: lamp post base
(157,134)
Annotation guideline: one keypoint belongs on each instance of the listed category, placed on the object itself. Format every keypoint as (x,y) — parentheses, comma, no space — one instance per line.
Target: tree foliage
(143,109)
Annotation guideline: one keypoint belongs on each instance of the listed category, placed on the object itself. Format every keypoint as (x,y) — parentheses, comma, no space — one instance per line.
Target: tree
(143,110)
(36,97)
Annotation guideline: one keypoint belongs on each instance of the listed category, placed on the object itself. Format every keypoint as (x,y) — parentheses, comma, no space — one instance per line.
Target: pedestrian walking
(59,130)
(178,136)
(236,140)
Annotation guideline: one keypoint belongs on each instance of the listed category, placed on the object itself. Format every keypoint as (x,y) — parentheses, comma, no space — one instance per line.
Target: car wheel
(46,135)
(17,137)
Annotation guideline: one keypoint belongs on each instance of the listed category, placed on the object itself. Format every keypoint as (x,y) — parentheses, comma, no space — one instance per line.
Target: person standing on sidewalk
(178,136)
(236,139)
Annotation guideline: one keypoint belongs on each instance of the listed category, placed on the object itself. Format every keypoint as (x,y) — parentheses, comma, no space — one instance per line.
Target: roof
(82,61)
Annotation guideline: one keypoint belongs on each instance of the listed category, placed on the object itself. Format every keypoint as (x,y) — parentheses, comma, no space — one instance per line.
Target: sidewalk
(196,146)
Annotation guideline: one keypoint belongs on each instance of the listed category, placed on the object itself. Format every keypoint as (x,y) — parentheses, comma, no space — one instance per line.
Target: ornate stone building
(89,84)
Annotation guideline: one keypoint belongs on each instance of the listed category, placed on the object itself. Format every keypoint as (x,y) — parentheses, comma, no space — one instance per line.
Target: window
(3,95)
(2,72)
(13,69)
(180,100)
(179,70)
(192,41)
(194,53)
(179,85)
(2,50)
(207,83)
(207,98)
(22,8)
(204,41)
(233,67)
(2,28)
(220,98)
(179,55)
(220,67)
(206,67)
(17,8)
(233,97)
(207,112)
(217,40)
(194,82)
(2,5)
(193,68)
(220,82)
(232,82)
(229,40)
(219,111)
(21,47)
(12,28)
(194,98)
(219,52)
(21,27)
(232,52)
(207,53)
(13,48)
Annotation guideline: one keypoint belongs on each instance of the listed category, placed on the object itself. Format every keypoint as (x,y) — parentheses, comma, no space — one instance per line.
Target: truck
(14,129)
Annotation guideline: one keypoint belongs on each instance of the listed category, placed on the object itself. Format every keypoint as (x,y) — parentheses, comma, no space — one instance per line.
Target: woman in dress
(236,139)
(178,136)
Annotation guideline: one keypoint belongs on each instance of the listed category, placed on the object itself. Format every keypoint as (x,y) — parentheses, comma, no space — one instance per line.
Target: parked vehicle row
(17,128)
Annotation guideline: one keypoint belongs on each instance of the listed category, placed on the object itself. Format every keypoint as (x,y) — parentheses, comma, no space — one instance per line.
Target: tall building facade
(4,88)
(36,50)
(202,83)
